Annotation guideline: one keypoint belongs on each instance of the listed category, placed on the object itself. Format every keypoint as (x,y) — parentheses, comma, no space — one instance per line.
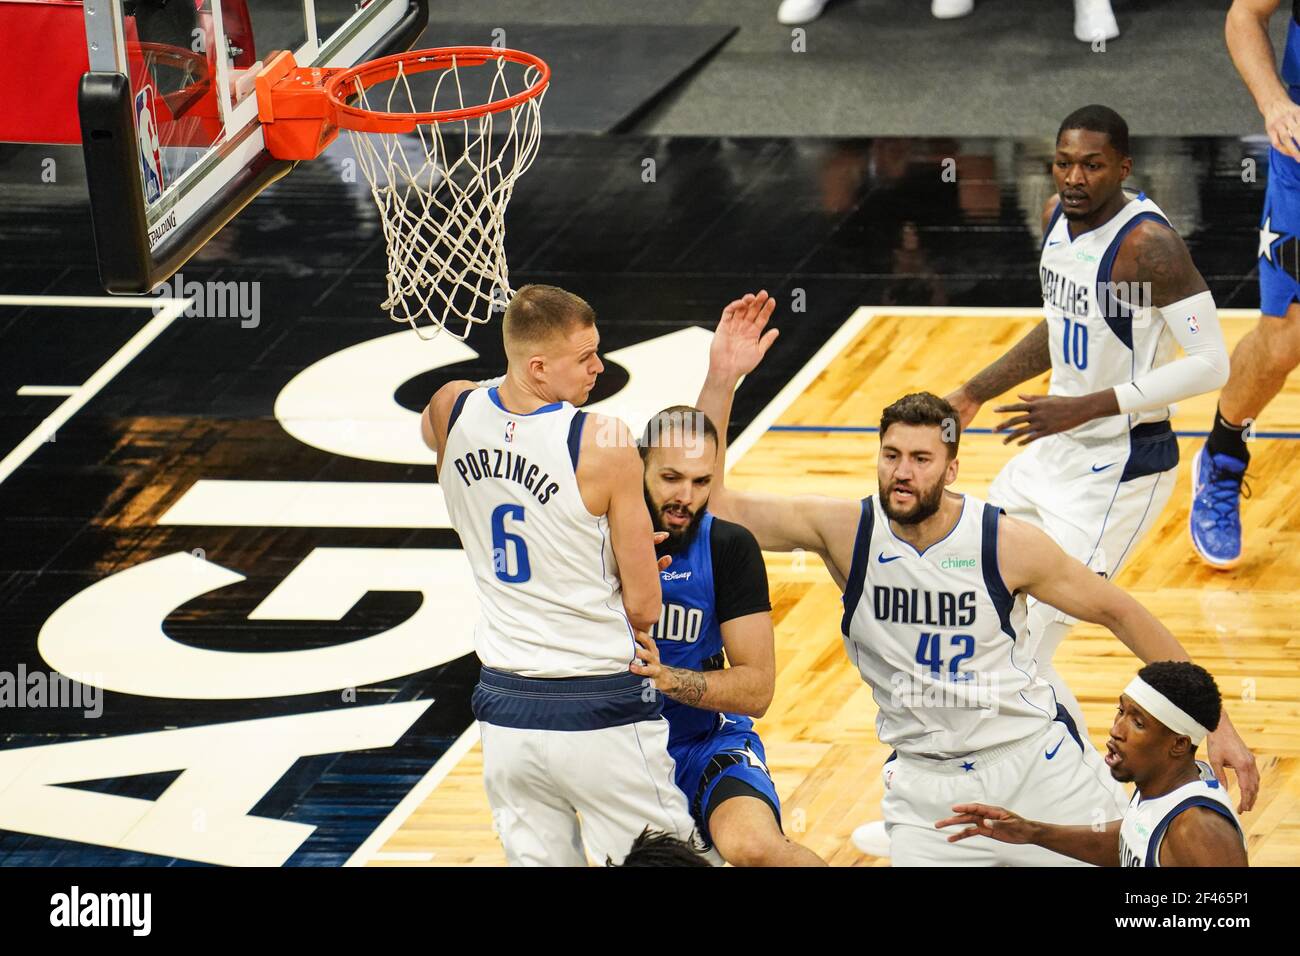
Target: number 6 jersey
(549,592)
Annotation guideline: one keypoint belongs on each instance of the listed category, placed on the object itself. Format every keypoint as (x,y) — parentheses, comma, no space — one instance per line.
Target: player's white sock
(799,11)
(1094,20)
(948,9)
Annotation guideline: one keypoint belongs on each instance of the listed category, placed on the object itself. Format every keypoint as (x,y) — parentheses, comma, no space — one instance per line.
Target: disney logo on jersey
(678,623)
(675,575)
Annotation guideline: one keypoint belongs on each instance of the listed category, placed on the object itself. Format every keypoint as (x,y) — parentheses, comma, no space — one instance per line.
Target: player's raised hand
(1283,124)
(986,821)
(742,337)
(1225,748)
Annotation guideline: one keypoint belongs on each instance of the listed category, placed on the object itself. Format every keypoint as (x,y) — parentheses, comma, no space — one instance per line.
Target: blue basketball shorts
(1279,261)
(730,761)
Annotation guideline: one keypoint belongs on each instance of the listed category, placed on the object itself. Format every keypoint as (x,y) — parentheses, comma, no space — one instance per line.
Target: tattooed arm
(1156,258)
(1155,276)
(743,688)
(1028,358)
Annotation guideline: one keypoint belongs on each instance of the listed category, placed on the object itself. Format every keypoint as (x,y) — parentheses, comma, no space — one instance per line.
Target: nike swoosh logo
(1056,242)
(884,560)
(1103,467)
(1052,753)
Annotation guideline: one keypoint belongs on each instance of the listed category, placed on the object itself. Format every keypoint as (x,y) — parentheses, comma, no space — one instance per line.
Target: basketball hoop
(442,193)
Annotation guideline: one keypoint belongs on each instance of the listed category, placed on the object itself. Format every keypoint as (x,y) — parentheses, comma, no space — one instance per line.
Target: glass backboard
(169,114)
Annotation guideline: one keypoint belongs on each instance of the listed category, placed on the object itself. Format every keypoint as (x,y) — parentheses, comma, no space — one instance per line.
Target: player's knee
(751,845)
(1281,341)
(754,850)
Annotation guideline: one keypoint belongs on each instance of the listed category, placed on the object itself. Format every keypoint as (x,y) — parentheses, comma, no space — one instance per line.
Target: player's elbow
(761,703)
(759,699)
(1219,370)
(642,614)
(720,503)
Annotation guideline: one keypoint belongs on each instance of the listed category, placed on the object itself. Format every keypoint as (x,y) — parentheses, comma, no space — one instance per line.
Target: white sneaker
(800,11)
(871,838)
(1094,20)
(948,9)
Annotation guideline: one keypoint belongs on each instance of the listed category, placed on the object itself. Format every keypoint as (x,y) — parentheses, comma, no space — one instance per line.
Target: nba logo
(510,431)
(1193,324)
(146,126)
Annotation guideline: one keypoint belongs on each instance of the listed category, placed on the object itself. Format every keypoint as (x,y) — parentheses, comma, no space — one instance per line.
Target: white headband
(1164,710)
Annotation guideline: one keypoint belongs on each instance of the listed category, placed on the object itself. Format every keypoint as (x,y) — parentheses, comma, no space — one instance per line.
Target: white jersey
(549,591)
(1097,342)
(1146,821)
(940,639)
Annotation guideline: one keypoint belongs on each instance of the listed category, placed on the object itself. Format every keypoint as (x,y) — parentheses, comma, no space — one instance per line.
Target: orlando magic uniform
(1097,488)
(1146,821)
(1279,247)
(566,726)
(941,641)
(719,576)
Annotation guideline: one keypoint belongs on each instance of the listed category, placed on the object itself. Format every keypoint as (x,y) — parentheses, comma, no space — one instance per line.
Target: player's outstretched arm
(1033,562)
(1246,32)
(1099,847)
(433,423)
(1200,836)
(1028,358)
(611,480)
(822,525)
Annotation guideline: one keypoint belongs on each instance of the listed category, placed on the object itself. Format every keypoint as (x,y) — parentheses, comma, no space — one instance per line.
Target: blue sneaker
(1216,520)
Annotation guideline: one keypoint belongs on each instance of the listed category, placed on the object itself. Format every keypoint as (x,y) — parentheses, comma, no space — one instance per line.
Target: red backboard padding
(42,65)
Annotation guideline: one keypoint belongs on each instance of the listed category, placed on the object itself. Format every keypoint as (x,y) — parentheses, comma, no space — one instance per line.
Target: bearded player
(935,587)
(711,652)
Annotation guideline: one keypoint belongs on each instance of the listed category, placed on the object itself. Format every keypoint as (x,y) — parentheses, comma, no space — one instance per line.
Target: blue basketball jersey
(1291,58)
(689,635)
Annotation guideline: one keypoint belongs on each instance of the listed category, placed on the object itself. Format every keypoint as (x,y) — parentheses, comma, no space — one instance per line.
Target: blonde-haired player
(549,509)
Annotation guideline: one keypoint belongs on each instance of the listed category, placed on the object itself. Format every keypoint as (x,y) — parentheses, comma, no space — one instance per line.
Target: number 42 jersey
(940,639)
(549,592)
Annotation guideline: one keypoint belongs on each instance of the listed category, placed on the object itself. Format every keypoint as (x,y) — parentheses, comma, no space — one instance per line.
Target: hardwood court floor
(819,732)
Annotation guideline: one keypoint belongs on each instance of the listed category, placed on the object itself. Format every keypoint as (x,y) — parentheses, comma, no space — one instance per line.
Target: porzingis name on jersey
(915,606)
(495,463)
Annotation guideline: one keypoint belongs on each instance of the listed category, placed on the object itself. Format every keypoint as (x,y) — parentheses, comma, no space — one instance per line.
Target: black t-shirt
(739,575)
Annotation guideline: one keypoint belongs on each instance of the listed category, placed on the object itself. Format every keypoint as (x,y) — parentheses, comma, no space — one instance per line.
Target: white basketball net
(442,198)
